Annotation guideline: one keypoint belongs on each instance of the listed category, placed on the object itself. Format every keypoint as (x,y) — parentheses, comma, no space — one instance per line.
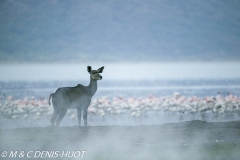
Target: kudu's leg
(79,115)
(55,114)
(85,116)
(60,116)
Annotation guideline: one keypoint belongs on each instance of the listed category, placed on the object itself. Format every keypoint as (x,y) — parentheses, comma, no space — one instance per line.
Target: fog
(121,71)
(170,134)
(196,139)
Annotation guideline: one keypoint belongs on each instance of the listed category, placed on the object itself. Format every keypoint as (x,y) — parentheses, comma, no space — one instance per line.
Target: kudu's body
(78,97)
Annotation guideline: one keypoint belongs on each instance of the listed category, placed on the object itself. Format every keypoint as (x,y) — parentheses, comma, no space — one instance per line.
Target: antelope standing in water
(78,97)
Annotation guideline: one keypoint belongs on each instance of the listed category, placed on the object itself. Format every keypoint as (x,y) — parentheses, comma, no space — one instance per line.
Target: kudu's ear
(89,69)
(100,70)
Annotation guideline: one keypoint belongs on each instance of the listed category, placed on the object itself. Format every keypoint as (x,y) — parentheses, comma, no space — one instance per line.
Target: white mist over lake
(120,71)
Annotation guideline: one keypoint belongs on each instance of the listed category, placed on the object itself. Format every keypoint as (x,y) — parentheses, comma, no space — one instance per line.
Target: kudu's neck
(92,87)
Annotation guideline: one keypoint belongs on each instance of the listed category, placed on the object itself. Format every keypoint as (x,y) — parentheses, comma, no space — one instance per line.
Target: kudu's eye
(93,72)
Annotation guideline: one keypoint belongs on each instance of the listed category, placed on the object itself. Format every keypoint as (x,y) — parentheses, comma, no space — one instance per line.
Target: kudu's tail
(50,98)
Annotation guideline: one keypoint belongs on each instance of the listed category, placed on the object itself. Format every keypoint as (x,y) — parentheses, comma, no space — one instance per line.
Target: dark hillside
(66,31)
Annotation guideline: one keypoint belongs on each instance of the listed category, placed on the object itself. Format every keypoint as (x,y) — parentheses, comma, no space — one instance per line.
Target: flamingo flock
(32,110)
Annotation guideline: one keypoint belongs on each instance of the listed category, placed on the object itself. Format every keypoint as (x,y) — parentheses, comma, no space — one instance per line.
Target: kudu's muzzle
(100,78)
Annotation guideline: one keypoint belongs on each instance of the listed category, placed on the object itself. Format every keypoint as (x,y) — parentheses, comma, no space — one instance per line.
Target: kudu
(78,97)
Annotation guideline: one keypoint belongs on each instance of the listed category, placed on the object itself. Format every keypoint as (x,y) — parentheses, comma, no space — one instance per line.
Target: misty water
(126,80)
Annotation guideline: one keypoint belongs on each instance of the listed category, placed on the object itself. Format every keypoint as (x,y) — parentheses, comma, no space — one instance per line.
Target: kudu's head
(95,73)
